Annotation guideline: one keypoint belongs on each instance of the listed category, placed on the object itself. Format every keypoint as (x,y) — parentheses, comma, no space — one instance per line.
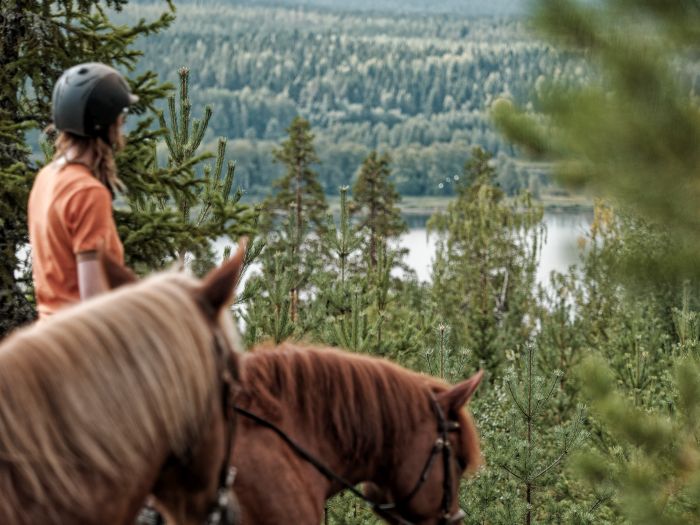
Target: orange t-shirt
(70,212)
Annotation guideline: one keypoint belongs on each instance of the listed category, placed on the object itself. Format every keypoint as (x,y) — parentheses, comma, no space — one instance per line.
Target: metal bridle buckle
(224,498)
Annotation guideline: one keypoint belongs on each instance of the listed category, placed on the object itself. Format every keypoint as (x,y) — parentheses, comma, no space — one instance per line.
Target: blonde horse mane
(353,399)
(93,391)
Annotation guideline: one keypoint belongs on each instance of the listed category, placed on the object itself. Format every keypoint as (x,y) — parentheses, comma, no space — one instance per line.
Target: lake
(559,251)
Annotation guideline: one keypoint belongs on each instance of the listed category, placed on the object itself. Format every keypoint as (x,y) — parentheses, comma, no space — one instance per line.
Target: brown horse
(365,419)
(119,397)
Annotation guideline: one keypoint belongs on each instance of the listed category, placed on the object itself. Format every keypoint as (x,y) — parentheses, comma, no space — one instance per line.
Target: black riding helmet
(88,99)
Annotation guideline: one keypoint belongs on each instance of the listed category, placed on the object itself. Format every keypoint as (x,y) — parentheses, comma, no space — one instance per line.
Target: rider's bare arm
(91,280)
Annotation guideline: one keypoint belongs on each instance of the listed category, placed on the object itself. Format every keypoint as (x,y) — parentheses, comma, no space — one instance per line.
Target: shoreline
(427,206)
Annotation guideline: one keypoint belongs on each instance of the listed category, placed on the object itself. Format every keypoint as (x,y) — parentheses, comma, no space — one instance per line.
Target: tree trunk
(15,308)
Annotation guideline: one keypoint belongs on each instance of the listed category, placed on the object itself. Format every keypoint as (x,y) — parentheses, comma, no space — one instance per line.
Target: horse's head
(424,485)
(196,487)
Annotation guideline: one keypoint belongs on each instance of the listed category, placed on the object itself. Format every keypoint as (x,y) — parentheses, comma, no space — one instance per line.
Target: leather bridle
(228,376)
(391,511)
(442,446)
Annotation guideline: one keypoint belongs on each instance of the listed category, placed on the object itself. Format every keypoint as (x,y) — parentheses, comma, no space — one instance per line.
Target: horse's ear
(116,273)
(219,285)
(460,394)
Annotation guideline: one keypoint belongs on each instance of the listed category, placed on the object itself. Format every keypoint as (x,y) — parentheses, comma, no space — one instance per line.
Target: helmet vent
(83,70)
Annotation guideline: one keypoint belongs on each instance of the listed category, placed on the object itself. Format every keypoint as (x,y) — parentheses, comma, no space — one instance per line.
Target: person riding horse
(70,204)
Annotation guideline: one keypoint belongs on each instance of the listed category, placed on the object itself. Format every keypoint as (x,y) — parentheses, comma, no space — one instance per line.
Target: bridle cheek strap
(442,445)
(227,473)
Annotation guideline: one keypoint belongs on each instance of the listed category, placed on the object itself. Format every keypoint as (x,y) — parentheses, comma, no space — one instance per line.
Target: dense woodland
(589,414)
(418,87)
(463,8)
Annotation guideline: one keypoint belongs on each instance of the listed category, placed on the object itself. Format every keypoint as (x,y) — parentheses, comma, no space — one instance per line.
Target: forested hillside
(461,7)
(418,86)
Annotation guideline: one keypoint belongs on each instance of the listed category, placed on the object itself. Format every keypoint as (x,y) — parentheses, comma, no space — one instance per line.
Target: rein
(385,510)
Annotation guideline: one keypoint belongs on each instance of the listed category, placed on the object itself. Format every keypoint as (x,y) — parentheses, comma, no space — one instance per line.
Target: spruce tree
(38,40)
(376,199)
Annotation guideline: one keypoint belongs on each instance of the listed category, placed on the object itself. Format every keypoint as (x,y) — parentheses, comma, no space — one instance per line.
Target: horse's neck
(344,459)
(363,454)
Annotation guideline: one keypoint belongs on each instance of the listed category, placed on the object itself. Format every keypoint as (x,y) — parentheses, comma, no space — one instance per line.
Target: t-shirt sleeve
(90,220)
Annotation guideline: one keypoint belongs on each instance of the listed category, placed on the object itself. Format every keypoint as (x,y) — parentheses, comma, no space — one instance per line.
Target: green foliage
(655,469)
(376,198)
(417,87)
(34,50)
(300,204)
(446,362)
(352,330)
(200,208)
(527,446)
(341,299)
(629,132)
(268,315)
(346,509)
(299,187)
(342,242)
(485,264)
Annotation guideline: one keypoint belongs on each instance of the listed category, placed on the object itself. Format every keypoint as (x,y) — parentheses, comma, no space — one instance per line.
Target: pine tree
(352,330)
(299,186)
(381,286)
(446,362)
(376,198)
(630,131)
(268,300)
(653,469)
(526,450)
(299,197)
(208,207)
(341,242)
(341,297)
(484,269)
(35,48)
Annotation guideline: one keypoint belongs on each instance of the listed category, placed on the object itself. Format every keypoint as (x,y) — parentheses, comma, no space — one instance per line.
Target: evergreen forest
(416,86)
(252,119)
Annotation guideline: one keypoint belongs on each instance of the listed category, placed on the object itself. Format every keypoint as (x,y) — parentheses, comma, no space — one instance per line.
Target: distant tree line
(460,7)
(417,87)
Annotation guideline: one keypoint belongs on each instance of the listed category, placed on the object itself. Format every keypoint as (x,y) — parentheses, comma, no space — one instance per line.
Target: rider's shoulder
(72,178)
